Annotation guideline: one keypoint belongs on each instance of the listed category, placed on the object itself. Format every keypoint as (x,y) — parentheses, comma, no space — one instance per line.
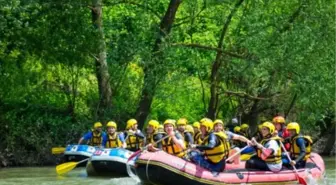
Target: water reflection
(47,176)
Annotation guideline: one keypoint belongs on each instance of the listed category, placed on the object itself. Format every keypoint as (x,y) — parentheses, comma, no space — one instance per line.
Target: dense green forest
(67,64)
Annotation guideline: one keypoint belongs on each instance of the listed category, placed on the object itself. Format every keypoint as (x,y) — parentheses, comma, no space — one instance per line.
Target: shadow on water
(78,176)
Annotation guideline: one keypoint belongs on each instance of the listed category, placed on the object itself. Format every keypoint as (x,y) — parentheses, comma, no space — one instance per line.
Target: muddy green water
(47,176)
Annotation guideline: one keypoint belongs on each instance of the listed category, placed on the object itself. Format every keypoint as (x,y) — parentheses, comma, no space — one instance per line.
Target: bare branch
(245,95)
(211,48)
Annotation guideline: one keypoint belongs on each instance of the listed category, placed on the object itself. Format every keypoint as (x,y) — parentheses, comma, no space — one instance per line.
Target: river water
(47,176)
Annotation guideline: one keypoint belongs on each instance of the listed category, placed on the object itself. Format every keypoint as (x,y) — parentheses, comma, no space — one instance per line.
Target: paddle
(68,166)
(57,150)
(300,179)
(234,155)
(145,148)
(265,152)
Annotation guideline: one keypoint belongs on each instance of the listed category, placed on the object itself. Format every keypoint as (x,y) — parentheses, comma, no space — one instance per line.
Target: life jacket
(284,133)
(150,138)
(96,139)
(271,158)
(197,138)
(170,147)
(133,142)
(221,149)
(113,141)
(295,150)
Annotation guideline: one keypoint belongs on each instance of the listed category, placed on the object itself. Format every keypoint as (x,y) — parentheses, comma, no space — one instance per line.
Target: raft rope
(147,174)
(130,172)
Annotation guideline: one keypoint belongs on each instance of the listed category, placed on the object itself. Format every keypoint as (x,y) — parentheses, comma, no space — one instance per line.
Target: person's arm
(104,140)
(86,136)
(301,144)
(122,139)
(157,138)
(188,137)
(210,145)
(139,134)
(177,139)
(238,137)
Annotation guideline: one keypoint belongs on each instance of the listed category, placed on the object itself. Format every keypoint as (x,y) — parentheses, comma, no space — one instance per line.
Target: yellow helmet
(97,125)
(218,121)
(111,124)
(205,119)
(182,121)
(279,119)
(196,124)
(244,126)
(270,126)
(130,123)
(169,121)
(259,126)
(208,124)
(155,124)
(190,129)
(294,126)
(160,128)
(236,129)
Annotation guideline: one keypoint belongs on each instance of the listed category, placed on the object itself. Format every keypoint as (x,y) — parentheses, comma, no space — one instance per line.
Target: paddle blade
(265,153)
(65,167)
(134,155)
(301,180)
(57,150)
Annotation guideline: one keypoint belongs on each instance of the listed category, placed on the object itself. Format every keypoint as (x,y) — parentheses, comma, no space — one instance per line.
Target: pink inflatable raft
(164,169)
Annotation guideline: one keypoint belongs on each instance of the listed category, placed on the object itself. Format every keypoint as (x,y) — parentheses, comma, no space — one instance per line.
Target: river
(47,176)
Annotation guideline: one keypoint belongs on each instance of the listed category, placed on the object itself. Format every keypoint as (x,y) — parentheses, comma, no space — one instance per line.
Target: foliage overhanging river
(47,175)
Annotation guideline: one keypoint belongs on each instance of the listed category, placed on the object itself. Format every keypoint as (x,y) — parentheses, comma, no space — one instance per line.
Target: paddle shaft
(145,148)
(83,160)
(300,179)
(234,155)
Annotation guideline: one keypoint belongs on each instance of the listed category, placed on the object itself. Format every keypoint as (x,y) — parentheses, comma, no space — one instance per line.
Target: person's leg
(300,164)
(199,159)
(256,163)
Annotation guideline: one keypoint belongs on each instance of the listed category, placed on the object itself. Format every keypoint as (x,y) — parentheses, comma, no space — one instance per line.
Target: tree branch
(245,95)
(211,48)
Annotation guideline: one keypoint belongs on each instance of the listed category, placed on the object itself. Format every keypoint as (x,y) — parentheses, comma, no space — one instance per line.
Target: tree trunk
(330,142)
(213,103)
(103,77)
(151,71)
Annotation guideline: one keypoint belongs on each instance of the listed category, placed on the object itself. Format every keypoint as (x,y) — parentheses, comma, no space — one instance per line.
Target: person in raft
(300,146)
(214,150)
(153,134)
(245,130)
(197,134)
(186,135)
(268,151)
(95,136)
(134,137)
(113,139)
(219,127)
(174,143)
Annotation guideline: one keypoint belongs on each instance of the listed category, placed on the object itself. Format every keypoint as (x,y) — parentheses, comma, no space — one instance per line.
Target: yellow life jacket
(96,139)
(221,150)
(170,147)
(271,158)
(150,138)
(295,150)
(133,142)
(197,138)
(113,141)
